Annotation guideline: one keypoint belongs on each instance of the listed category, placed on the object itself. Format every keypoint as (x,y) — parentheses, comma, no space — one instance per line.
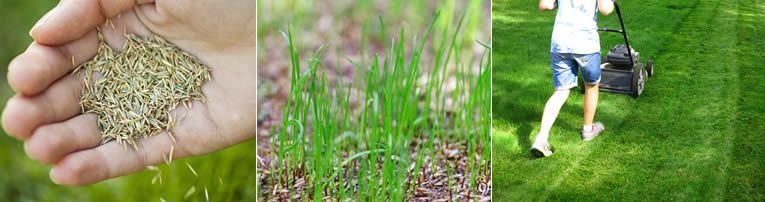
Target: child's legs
(552,108)
(590,103)
(564,77)
(590,65)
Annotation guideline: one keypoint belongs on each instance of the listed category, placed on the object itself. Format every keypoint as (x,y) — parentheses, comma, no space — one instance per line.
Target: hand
(45,112)
(548,5)
(606,6)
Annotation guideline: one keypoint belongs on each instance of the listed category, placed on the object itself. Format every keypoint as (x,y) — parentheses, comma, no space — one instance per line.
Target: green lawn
(22,179)
(695,134)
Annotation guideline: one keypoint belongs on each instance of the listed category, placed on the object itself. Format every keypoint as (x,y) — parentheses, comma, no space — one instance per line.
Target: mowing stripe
(709,113)
(714,78)
(587,148)
(746,177)
(695,134)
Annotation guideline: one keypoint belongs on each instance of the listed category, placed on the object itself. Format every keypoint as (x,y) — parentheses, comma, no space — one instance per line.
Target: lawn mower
(622,72)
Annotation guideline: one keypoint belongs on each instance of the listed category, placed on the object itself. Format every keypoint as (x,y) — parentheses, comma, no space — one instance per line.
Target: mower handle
(622,31)
(621,22)
(610,30)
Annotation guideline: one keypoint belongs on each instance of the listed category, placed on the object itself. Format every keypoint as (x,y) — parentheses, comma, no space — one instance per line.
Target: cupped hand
(46,115)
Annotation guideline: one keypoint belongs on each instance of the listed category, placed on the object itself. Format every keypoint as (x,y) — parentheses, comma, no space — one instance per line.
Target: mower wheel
(639,76)
(649,68)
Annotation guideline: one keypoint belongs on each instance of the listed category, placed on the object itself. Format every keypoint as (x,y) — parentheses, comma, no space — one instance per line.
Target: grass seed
(207,196)
(139,87)
(189,192)
(192,169)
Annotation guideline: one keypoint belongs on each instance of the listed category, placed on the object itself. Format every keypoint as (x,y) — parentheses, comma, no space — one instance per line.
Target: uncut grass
(688,137)
(397,147)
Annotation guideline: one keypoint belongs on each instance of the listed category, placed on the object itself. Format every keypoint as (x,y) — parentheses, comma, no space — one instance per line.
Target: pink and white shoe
(541,150)
(596,129)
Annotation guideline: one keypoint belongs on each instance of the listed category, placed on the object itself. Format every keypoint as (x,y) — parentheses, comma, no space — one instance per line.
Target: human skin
(604,6)
(547,5)
(45,112)
(590,102)
(556,101)
(552,108)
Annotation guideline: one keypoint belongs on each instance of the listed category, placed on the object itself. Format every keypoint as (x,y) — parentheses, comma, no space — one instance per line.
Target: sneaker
(596,129)
(541,150)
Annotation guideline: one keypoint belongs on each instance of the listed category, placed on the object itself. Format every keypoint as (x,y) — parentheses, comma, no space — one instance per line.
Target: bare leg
(552,108)
(590,103)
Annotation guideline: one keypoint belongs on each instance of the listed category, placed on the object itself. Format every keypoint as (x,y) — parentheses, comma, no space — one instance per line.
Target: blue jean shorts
(566,66)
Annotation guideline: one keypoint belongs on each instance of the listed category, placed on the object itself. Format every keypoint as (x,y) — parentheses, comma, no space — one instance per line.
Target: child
(575,44)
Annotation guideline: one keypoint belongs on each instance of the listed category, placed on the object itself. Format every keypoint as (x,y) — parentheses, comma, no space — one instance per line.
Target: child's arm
(606,6)
(547,5)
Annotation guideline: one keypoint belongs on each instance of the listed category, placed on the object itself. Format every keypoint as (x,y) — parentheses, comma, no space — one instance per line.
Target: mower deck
(622,72)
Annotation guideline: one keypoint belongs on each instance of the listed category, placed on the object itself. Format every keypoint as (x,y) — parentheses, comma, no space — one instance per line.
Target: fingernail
(42,20)
(50,175)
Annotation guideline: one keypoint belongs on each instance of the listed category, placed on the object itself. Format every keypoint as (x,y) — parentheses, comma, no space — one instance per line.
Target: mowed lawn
(697,132)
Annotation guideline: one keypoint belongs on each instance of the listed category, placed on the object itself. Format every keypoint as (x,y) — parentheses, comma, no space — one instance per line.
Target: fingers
(72,19)
(40,65)
(60,102)
(114,32)
(112,160)
(52,142)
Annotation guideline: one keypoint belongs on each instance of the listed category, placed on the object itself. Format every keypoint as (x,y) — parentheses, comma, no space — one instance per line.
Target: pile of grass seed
(139,86)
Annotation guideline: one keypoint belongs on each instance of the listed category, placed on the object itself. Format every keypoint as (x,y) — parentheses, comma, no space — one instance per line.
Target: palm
(71,139)
(228,116)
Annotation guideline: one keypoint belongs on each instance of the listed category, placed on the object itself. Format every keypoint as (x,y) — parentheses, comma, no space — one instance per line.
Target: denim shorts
(566,66)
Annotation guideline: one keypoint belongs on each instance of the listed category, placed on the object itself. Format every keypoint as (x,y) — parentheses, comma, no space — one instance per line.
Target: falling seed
(157,176)
(189,192)
(110,23)
(165,158)
(192,169)
(207,197)
(183,117)
(220,180)
(171,136)
(171,153)
(134,146)
(162,200)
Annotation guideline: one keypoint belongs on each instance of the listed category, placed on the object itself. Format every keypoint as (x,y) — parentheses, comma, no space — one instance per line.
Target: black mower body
(619,57)
(616,79)
(630,81)
(622,72)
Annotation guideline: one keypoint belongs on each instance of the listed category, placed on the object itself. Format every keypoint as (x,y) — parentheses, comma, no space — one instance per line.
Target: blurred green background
(229,175)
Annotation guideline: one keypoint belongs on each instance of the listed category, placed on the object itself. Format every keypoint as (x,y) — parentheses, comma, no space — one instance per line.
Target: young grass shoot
(402,141)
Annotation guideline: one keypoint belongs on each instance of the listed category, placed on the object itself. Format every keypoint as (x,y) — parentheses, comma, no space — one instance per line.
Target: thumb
(72,19)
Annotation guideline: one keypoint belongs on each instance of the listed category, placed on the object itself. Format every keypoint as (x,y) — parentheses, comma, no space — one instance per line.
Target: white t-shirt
(576,28)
